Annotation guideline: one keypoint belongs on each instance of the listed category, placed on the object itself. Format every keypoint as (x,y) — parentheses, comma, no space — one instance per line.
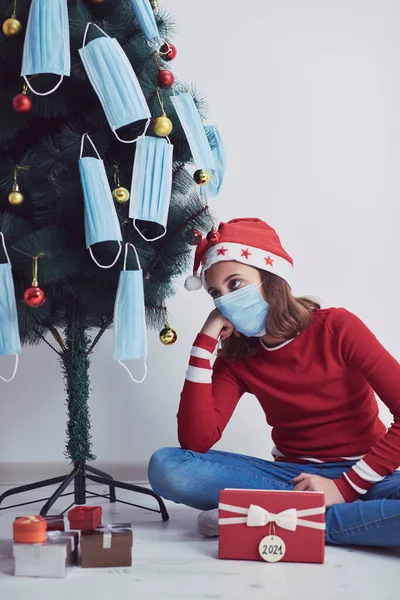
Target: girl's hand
(306,481)
(217,326)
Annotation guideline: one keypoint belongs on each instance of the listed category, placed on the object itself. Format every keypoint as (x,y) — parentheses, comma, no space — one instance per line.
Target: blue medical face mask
(246,309)
(195,133)
(151,183)
(218,150)
(46,45)
(145,17)
(101,220)
(129,330)
(9,334)
(115,83)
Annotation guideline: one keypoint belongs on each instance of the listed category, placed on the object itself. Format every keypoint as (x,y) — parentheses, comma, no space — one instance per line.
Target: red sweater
(317,393)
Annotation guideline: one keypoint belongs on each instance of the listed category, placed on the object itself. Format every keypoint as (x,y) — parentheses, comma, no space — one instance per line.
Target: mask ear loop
(215,184)
(87,29)
(144,360)
(86,136)
(16,356)
(43,93)
(136,138)
(149,239)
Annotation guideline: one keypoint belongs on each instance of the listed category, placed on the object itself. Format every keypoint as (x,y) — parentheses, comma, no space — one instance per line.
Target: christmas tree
(63,298)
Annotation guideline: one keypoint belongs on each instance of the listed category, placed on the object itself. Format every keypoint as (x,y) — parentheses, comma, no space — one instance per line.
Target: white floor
(172,562)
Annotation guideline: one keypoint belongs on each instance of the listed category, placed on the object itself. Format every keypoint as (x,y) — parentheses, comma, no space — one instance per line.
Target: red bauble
(213,236)
(34,297)
(165,78)
(22,103)
(168,51)
(195,237)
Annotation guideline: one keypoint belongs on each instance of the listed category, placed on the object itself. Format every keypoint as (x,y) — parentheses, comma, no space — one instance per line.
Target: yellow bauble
(155,4)
(168,336)
(162,126)
(12,27)
(201,177)
(121,195)
(15,197)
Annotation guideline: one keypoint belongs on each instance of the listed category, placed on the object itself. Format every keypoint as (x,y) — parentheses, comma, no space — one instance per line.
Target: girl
(314,373)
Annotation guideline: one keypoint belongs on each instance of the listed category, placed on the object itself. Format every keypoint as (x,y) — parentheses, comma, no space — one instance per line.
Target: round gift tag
(272,548)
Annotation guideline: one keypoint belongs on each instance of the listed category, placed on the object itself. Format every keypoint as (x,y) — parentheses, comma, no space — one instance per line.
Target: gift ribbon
(63,535)
(109,529)
(256,516)
(27,520)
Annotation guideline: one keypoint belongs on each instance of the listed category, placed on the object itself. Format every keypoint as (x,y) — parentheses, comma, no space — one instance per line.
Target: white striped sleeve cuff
(199,375)
(354,486)
(365,472)
(198,352)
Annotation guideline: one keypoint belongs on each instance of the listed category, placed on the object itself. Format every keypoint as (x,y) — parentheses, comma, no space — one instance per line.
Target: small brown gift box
(107,546)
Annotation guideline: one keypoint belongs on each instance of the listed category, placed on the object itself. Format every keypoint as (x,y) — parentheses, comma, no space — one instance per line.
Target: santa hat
(249,241)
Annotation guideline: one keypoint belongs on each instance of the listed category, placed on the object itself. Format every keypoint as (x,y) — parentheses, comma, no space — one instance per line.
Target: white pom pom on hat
(193,283)
(249,241)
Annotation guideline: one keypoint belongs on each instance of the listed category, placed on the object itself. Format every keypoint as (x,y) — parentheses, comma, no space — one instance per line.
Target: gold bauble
(97,1)
(201,177)
(15,197)
(12,27)
(155,4)
(168,336)
(162,126)
(121,195)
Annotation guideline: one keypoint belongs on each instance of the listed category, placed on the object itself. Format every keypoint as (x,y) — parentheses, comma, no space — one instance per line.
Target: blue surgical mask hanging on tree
(115,82)
(218,150)
(196,136)
(46,44)
(246,309)
(151,183)
(9,333)
(145,17)
(101,220)
(129,329)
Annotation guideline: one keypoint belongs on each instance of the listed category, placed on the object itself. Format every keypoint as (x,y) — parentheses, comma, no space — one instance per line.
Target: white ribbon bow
(256,516)
(31,520)
(259,517)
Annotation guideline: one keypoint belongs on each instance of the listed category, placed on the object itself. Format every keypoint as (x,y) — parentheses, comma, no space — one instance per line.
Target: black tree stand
(75,353)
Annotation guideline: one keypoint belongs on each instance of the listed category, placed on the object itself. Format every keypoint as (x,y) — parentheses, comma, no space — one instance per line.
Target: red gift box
(274,526)
(85,518)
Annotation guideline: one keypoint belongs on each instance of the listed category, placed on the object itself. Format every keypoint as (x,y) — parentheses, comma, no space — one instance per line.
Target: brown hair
(287,317)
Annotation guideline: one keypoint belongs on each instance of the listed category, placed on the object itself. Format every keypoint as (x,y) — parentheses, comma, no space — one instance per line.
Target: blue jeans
(195,479)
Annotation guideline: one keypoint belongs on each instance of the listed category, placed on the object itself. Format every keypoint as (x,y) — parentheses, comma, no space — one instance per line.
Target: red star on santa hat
(246,253)
(222,251)
(269,261)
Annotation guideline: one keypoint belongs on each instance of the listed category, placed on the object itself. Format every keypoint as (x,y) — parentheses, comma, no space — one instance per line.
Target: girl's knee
(163,470)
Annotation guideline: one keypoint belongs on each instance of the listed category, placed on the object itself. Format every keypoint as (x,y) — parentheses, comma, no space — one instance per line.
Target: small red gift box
(85,518)
(274,526)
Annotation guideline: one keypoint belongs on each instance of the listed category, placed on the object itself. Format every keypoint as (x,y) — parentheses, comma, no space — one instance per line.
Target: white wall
(306,95)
